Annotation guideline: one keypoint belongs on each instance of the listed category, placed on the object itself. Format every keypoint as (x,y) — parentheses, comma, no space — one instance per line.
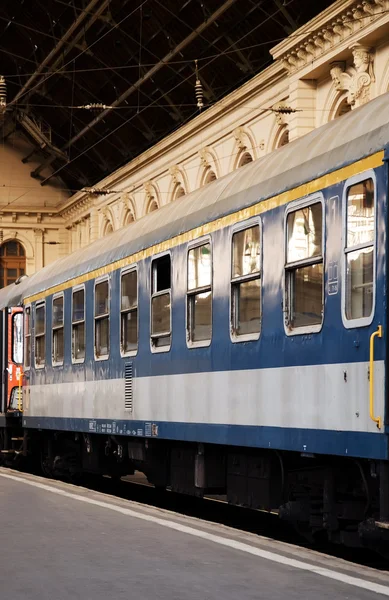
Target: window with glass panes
(199,294)
(78,324)
(129,311)
(102,319)
(57,330)
(12,262)
(161,302)
(40,335)
(246,282)
(359,250)
(304,267)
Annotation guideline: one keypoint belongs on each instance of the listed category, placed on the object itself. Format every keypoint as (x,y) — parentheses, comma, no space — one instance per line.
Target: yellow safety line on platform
(373,161)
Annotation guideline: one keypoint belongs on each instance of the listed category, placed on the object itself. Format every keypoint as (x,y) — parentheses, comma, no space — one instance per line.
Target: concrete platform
(63,542)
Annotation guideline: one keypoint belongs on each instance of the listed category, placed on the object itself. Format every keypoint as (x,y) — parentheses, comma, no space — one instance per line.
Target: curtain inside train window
(304,268)
(359,250)
(102,319)
(246,283)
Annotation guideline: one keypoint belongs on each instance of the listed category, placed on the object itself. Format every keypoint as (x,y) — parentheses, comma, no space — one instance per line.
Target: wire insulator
(199,90)
(199,94)
(3,95)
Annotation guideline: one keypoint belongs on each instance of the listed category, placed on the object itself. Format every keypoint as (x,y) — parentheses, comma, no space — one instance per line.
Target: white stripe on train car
(304,397)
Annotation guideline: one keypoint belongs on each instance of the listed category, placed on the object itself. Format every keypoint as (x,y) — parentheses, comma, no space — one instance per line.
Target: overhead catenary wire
(172,62)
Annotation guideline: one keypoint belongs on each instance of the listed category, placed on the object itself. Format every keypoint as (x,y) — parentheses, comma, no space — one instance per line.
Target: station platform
(61,541)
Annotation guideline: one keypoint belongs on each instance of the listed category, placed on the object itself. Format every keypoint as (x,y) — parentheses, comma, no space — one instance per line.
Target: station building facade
(333,64)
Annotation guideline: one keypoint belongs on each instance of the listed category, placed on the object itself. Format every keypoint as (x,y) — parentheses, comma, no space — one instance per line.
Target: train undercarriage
(344,501)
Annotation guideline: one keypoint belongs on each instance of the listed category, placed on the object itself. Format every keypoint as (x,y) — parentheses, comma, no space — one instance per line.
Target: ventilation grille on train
(128,387)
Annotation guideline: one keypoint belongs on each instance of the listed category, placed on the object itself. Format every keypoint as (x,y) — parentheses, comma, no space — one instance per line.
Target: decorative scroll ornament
(149,190)
(175,174)
(357,80)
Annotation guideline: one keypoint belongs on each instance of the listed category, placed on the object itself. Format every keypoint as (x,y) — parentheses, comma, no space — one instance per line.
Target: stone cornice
(336,26)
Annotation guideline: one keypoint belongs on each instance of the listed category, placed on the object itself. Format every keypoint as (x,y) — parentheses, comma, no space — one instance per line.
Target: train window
(359,250)
(246,284)
(27,337)
(129,312)
(17,338)
(78,325)
(40,335)
(57,331)
(304,268)
(102,319)
(161,302)
(199,295)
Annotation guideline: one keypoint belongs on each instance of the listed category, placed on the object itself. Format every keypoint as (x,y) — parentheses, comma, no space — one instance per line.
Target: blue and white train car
(235,340)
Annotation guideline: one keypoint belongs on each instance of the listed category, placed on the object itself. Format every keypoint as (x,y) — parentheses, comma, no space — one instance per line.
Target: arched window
(129,218)
(284,139)
(178,192)
(153,205)
(343,108)
(12,262)
(108,228)
(209,177)
(244,159)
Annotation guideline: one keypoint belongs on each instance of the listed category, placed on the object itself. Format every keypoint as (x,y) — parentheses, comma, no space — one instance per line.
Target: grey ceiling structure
(93,83)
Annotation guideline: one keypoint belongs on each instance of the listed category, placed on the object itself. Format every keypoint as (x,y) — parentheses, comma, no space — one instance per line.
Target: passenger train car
(233,342)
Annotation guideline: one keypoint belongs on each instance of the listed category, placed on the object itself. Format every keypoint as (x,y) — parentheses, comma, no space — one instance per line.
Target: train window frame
(191,344)
(122,311)
(235,281)
(153,337)
(38,305)
(107,315)
(27,331)
(55,329)
(75,323)
(16,316)
(290,267)
(354,180)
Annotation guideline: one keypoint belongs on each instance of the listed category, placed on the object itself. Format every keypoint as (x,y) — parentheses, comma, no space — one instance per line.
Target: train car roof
(353,136)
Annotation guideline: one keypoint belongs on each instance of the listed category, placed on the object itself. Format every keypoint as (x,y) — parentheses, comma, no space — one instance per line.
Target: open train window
(40,335)
(304,285)
(161,317)
(57,330)
(359,220)
(27,337)
(199,295)
(129,312)
(246,284)
(102,319)
(78,324)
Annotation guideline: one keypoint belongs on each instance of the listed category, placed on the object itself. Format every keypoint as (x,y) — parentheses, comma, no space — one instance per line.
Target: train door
(3,360)
(14,359)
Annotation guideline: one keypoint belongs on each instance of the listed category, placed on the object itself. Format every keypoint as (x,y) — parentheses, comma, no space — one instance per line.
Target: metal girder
(55,51)
(150,73)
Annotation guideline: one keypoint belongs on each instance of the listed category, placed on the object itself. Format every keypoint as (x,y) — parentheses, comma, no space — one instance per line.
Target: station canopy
(94,83)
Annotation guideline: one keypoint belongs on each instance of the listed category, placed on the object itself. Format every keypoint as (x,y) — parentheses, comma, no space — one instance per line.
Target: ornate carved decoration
(149,190)
(205,157)
(342,26)
(241,138)
(175,174)
(356,80)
